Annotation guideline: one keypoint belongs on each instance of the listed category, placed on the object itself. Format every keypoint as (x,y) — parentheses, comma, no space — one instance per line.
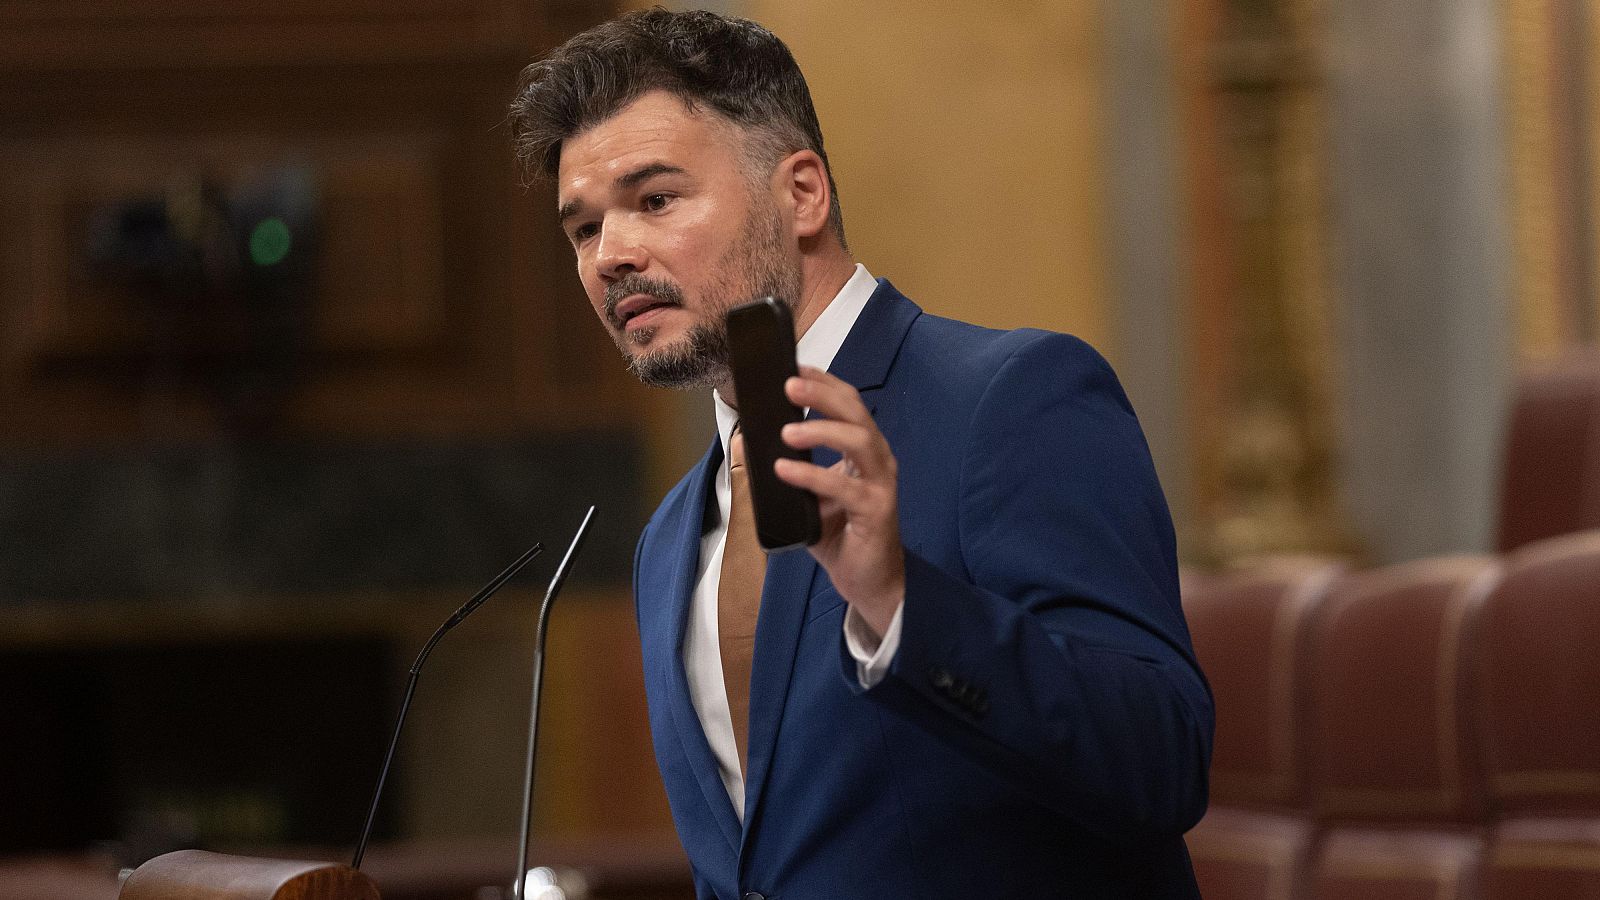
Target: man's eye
(585,231)
(656,202)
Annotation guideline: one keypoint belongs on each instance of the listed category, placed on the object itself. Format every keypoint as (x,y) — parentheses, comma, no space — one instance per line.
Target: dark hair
(738,69)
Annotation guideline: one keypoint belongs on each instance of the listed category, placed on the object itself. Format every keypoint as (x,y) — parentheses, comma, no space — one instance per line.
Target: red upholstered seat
(1381,864)
(1551,481)
(1392,726)
(1541,672)
(1247,854)
(1394,774)
(1544,858)
(1540,668)
(1249,629)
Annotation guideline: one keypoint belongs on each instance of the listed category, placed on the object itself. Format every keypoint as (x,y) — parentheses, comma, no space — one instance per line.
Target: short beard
(700,358)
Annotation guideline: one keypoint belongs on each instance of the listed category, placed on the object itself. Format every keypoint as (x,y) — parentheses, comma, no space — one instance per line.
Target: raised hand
(860,546)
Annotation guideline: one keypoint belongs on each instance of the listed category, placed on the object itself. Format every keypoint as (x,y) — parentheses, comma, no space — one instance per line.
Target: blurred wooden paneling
(46,34)
(444,301)
(443,328)
(460,772)
(380,290)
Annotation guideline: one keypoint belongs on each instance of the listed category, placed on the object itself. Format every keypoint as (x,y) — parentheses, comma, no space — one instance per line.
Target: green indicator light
(269,242)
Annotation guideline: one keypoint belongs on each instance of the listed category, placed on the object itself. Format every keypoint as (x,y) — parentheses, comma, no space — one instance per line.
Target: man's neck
(821,280)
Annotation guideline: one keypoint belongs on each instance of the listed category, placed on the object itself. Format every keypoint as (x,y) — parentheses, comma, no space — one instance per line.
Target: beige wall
(964,138)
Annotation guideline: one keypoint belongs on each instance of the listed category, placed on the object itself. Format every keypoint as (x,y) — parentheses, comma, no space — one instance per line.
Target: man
(979,682)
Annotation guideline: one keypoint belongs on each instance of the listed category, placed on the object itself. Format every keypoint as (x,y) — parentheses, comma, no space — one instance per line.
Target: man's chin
(694,360)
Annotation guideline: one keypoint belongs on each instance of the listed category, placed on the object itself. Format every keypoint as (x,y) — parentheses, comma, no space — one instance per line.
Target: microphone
(518,886)
(455,619)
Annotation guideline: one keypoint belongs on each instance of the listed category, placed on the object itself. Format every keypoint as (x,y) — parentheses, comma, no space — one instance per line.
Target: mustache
(634,283)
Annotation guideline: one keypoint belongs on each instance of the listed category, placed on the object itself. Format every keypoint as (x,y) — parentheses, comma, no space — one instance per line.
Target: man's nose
(620,250)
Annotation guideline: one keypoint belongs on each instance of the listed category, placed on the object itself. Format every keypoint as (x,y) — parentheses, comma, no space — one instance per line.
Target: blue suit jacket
(1043,730)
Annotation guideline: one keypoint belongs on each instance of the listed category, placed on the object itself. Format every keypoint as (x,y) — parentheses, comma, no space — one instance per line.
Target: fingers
(847,426)
(828,395)
(831,482)
(866,452)
(861,499)
(860,545)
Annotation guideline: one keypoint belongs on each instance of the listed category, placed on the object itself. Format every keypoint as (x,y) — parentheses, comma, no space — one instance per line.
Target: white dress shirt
(702,655)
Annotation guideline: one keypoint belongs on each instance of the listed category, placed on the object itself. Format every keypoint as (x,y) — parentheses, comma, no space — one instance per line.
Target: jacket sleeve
(1059,659)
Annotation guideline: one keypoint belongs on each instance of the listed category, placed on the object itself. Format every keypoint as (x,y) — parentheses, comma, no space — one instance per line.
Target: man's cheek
(597,302)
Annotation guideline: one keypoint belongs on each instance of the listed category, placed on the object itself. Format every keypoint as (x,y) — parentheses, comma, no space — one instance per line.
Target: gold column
(1262,362)
(1553,143)
(1542,325)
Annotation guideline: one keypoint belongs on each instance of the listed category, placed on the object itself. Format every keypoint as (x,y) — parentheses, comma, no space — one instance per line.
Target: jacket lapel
(864,361)
(783,609)
(686,558)
(868,353)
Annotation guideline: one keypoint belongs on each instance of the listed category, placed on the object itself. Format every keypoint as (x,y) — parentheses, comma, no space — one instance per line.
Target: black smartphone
(761,354)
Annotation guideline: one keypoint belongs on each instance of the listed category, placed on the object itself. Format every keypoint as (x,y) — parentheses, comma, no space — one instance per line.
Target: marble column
(1420,269)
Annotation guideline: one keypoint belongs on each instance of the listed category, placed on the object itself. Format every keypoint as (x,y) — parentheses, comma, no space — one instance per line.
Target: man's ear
(802,180)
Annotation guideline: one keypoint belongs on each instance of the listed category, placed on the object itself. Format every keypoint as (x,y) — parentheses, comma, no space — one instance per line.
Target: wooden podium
(200,875)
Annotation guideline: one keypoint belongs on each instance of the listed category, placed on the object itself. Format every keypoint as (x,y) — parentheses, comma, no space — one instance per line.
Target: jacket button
(754,895)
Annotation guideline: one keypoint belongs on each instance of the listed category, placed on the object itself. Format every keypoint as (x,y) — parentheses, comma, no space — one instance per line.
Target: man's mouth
(637,306)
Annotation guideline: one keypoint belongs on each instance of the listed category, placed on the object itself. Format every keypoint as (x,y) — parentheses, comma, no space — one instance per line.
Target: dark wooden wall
(444,300)
(198,488)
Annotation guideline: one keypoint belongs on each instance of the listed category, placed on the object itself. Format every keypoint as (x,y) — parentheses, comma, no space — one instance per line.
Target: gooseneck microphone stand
(411,684)
(518,886)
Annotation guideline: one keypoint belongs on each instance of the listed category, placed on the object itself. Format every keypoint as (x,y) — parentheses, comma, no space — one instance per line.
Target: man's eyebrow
(649,170)
(624,182)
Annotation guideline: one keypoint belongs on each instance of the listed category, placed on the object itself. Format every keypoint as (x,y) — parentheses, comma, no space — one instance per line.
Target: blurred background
(291,361)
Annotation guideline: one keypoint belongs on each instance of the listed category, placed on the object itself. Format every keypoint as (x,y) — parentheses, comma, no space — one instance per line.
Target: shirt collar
(821,342)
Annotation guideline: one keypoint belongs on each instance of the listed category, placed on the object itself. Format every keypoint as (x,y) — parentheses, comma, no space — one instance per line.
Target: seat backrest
(1397,864)
(1540,665)
(1248,629)
(1392,725)
(1550,484)
(1555,857)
